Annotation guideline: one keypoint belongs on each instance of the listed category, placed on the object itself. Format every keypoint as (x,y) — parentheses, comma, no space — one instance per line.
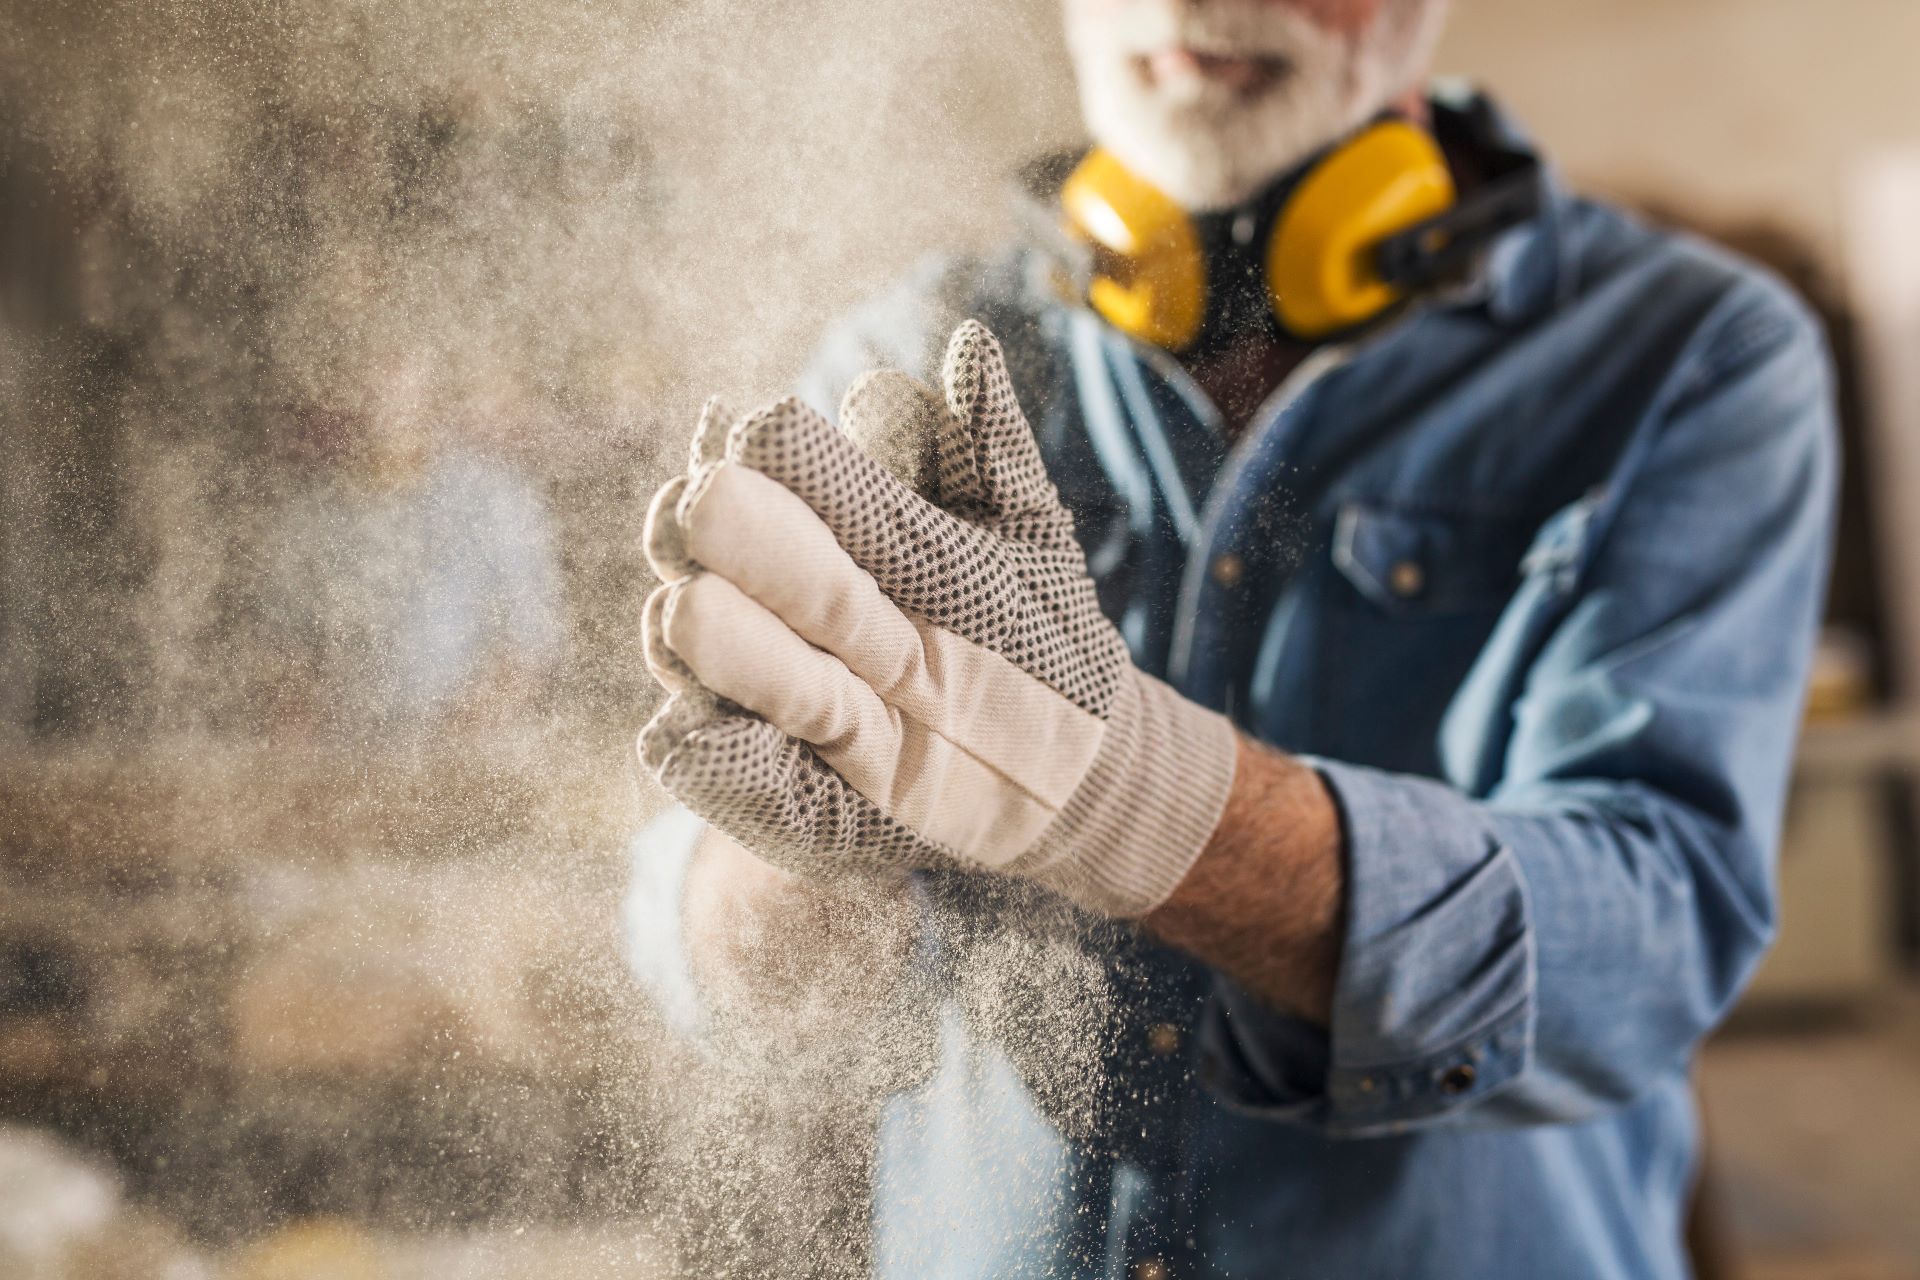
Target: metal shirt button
(1227,570)
(1458,1079)
(1164,1039)
(1407,578)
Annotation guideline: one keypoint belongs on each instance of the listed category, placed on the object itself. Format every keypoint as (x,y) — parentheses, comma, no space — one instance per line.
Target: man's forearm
(1265,902)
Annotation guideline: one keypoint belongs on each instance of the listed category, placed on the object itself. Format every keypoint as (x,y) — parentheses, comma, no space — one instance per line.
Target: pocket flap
(1424,562)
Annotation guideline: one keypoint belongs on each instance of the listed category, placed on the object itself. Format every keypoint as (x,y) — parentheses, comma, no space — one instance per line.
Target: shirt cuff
(1433,1007)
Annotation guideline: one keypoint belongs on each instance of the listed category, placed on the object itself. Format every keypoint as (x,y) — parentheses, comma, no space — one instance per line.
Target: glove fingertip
(897,420)
(735,771)
(666,665)
(989,458)
(679,716)
(792,445)
(709,443)
(663,538)
(769,432)
(973,358)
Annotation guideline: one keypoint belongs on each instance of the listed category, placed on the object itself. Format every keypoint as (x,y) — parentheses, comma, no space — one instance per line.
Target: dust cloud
(342,345)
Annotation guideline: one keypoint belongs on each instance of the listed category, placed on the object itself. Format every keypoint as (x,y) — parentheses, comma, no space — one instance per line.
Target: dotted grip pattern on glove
(988,555)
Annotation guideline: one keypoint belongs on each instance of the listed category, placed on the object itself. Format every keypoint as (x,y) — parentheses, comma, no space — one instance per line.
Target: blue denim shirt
(1532,576)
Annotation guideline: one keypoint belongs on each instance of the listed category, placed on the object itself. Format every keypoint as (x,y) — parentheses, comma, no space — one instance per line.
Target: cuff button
(1163,1038)
(1458,1078)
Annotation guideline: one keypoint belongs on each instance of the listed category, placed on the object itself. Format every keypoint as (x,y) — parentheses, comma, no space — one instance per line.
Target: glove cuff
(1148,806)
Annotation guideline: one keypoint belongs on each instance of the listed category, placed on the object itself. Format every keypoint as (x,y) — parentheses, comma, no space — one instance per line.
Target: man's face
(1210,100)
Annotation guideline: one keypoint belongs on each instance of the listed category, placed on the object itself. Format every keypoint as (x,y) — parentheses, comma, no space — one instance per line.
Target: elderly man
(1388,582)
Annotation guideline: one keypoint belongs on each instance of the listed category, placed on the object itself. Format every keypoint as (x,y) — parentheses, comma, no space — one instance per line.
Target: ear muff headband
(1150,269)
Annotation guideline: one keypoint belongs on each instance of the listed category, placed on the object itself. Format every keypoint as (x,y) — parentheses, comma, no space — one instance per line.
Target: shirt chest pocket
(1409,564)
(1414,594)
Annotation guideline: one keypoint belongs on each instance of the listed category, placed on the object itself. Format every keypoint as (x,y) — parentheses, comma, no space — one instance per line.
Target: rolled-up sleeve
(1542,942)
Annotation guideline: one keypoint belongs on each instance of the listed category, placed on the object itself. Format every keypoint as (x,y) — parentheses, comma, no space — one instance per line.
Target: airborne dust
(343,343)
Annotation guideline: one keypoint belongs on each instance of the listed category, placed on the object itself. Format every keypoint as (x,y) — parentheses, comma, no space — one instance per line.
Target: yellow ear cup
(1383,181)
(1151,281)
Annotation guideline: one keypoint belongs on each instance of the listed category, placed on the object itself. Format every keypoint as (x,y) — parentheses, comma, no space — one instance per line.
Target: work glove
(864,678)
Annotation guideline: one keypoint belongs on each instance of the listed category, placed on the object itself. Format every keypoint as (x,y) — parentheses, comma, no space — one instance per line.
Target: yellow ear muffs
(1151,277)
(1320,271)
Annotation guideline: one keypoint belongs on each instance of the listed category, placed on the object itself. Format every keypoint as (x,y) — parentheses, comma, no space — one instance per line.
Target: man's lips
(1246,74)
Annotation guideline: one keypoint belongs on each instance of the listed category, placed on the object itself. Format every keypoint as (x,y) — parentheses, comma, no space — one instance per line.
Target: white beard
(1209,146)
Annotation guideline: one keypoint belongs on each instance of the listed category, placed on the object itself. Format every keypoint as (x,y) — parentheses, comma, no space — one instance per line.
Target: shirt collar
(1529,270)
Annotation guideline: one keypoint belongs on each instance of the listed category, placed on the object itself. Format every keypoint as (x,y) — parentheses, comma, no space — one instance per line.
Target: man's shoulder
(1721,356)
(907,324)
(1730,305)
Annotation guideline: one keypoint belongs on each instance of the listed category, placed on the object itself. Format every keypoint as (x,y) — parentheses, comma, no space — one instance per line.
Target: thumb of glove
(989,462)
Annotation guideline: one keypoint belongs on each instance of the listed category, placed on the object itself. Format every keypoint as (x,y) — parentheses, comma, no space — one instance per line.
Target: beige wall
(1728,108)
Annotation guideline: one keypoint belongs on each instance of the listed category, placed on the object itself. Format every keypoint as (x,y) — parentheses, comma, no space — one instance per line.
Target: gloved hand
(911,683)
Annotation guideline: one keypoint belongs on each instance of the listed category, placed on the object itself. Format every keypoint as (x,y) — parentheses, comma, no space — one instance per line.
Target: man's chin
(1213,159)
(1217,132)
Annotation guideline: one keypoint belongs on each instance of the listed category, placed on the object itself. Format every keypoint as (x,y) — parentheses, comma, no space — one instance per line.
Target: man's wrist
(1265,901)
(1148,807)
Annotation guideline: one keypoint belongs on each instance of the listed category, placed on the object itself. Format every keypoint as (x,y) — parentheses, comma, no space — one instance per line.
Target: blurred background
(340,346)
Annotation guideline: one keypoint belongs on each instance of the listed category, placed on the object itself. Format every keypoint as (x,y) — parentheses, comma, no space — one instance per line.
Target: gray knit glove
(867,678)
